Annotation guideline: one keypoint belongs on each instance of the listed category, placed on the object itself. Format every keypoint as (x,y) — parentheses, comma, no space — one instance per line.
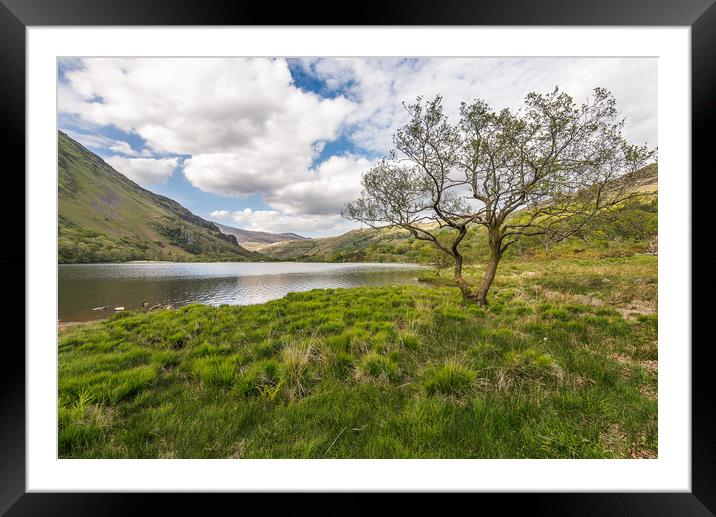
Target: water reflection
(84,287)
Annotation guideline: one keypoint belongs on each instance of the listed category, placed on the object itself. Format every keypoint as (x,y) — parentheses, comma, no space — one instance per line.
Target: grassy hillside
(563,364)
(384,245)
(254,240)
(631,234)
(105,217)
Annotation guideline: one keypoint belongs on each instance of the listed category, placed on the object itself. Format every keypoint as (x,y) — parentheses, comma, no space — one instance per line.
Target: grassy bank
(563,364)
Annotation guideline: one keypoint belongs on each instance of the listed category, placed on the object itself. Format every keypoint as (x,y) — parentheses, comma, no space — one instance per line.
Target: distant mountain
(636,227)
(382,245)
(256,240)
(106,217)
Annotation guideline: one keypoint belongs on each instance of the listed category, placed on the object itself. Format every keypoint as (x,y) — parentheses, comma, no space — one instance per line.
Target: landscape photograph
(357,258)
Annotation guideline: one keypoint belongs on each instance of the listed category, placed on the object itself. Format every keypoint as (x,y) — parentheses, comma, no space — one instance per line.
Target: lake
(84,287)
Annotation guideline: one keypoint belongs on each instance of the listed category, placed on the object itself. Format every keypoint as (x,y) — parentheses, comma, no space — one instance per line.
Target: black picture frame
(700,15)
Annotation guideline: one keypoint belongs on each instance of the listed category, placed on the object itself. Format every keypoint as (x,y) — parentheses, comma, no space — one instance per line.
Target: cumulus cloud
(145,171)
(245,127)
(380,85)
(312,205)
(324,190)
(277,222)
(100,143)
(124,148)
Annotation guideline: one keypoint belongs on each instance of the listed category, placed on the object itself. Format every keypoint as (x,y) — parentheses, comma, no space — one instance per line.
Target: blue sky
(280,145)
(177,186)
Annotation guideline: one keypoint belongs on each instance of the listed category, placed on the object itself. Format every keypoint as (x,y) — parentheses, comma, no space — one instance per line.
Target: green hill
(252,240)
(630,234)
(105,217)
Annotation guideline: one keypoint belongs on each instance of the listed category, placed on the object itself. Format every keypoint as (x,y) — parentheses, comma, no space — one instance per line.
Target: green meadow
(561,364)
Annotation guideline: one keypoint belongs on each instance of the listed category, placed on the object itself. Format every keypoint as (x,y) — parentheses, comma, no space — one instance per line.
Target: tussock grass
(528,367)
(555,367)
(452,379)
(260,378)
(214,371)
(294,370)
(410,341)
(374,366)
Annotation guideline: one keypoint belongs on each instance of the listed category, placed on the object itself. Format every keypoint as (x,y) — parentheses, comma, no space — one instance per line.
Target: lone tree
(550,169)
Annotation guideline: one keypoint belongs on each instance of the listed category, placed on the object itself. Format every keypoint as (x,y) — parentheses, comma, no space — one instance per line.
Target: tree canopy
(549,169)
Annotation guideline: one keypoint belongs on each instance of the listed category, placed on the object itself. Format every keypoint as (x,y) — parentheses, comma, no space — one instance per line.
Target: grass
(562,364)
(105,217)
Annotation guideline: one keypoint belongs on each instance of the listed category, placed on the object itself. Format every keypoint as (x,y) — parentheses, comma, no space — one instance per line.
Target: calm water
(83,287)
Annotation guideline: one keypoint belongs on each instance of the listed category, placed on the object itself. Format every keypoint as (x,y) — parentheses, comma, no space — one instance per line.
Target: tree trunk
(481,295)
(467,294)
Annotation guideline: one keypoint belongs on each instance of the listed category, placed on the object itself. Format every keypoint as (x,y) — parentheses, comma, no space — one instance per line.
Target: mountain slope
(354,246)
(255,240)
(636,226)
(106,217)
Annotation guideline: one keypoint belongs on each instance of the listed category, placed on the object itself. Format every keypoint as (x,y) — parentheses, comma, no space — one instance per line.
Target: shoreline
(238,262)
(64,325)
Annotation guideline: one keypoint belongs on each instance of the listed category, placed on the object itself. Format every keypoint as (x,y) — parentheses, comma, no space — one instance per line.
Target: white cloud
(219,214)
(323,191)
(145,171)
(276,222)
(100,143)
(122,148)
(248,129)
(380,85)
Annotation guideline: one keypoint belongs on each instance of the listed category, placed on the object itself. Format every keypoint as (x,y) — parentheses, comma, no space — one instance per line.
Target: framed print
(423,252)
